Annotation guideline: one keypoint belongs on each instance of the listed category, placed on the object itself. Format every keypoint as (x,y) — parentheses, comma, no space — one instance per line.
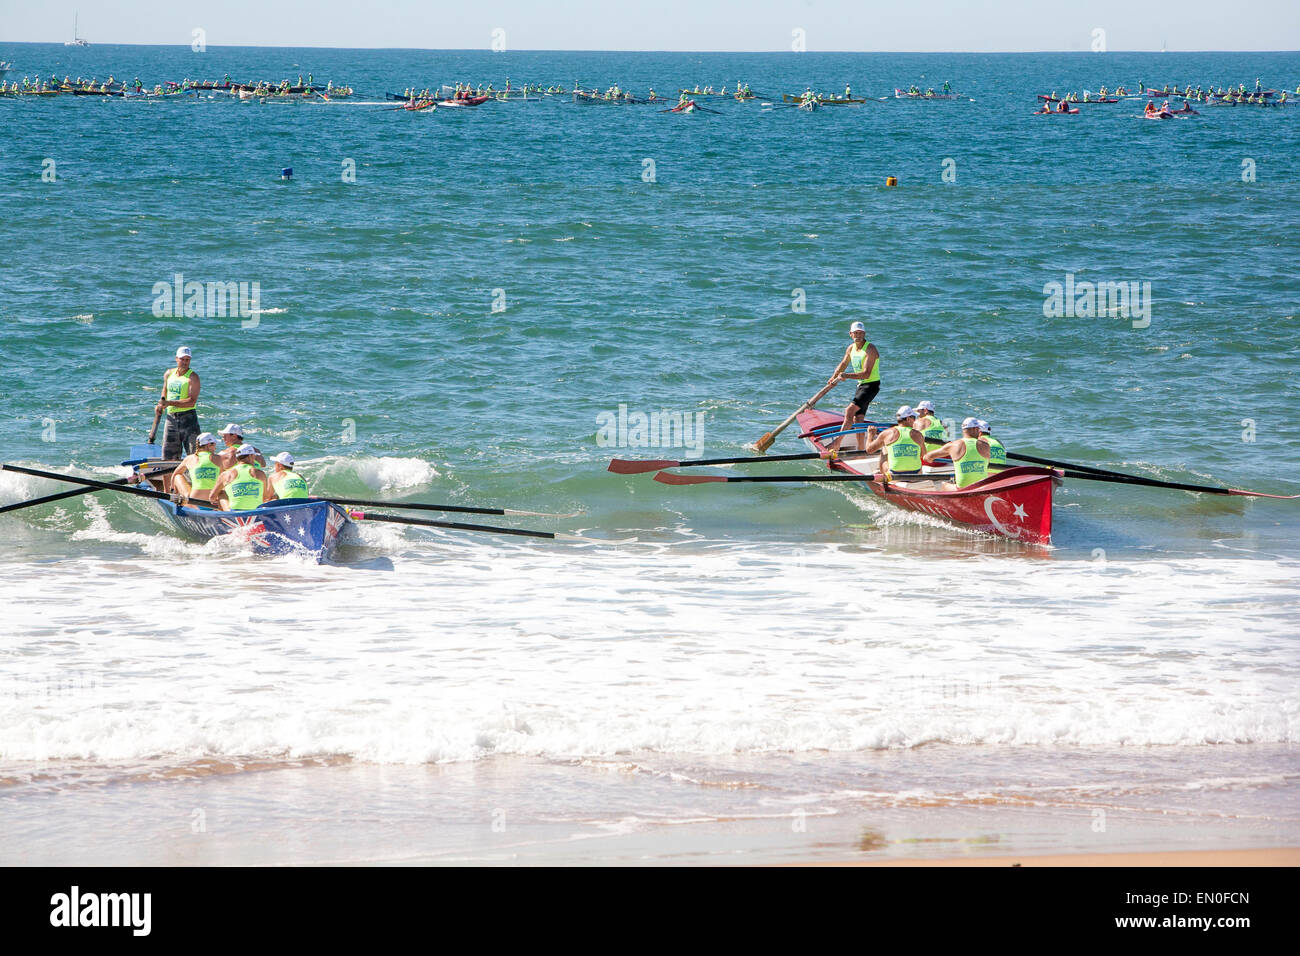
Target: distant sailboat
(76,40)
(1162,47)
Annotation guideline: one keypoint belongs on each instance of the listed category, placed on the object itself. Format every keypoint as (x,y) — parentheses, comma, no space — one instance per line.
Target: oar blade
(627,466)
(672,478)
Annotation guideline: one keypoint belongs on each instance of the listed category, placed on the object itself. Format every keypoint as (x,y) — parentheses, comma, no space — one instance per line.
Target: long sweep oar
(461,526)
(19,505)
(95,485)
(460,509)
(1087,472)
(668,478)
(631,466)
(764,443)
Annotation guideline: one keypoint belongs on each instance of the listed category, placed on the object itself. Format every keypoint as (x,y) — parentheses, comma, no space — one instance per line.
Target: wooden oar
(460,509)
(631,466)
(19,505)
(1087,472)
(764,443)
(95,485)
(157,415)
(461,526)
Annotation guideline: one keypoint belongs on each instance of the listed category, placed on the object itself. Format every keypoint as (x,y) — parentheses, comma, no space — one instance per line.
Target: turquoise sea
(453,323)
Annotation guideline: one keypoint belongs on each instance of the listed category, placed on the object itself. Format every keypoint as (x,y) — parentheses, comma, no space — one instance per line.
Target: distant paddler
(902,445)
(180,393)
(862,361)
(197,475)
(969,454)
(243,487)
(286,483)
(997,452)
(928,424)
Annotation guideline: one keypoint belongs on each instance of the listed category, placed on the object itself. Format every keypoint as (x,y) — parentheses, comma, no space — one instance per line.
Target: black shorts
(180,435)
(864,395)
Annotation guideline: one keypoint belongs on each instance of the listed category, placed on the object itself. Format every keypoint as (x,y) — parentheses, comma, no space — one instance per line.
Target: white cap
(231,429)
(984,426)
(284,458)
(245,450)
(207,438)
(183,352)
(926,406)
(970,423)
(905,411)
(857,327)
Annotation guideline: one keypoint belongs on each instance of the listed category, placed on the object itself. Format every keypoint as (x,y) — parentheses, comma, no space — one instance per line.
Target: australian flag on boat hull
(278,527)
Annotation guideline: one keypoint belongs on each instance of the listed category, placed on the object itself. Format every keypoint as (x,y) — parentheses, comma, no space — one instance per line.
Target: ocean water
(744,672)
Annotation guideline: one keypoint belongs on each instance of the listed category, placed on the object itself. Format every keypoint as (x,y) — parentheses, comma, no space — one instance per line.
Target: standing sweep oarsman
(180,393)
(862,360)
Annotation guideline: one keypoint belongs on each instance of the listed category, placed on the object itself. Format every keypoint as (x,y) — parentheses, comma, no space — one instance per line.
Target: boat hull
(1017,503)
(311,526)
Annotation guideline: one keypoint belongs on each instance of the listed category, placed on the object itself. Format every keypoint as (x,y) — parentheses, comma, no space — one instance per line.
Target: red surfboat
(1015,503)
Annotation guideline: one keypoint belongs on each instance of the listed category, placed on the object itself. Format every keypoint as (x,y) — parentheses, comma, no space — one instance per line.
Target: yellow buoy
(891,180)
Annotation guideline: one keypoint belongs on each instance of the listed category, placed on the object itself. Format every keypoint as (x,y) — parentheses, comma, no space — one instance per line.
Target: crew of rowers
(232,479)
(916,91)
(1163,110)
(114,86)
(742,91)
(905,447)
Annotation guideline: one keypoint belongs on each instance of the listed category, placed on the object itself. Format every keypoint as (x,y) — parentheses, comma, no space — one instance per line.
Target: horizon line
(210,47)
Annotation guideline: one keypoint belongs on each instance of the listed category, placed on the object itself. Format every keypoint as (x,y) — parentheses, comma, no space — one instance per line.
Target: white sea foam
(381,474)
(449,650)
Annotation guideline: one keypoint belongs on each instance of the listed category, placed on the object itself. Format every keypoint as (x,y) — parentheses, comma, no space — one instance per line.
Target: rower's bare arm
(840,368)
(943,451)
(194,389)
(880,441)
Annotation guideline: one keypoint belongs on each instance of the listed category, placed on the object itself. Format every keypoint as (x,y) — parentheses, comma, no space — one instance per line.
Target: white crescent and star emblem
(1017,510)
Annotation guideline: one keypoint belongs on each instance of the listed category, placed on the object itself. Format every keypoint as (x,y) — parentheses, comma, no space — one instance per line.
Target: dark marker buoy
(286,172)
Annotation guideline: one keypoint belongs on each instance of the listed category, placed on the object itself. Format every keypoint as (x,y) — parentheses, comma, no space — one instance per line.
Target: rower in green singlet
(969,454)
(902,445)
(196,476)
(997,452)
(928,424)
(243,487)
(285,482)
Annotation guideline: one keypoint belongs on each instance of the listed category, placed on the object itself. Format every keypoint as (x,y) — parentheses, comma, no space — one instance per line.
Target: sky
(688,25)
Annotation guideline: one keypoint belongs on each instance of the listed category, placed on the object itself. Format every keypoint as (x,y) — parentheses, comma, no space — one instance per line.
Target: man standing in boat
(180,393)
(969,454)
(243,487)
(862,360)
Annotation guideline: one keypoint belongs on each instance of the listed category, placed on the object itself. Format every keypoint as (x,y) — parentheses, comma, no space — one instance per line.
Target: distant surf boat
(76,40)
